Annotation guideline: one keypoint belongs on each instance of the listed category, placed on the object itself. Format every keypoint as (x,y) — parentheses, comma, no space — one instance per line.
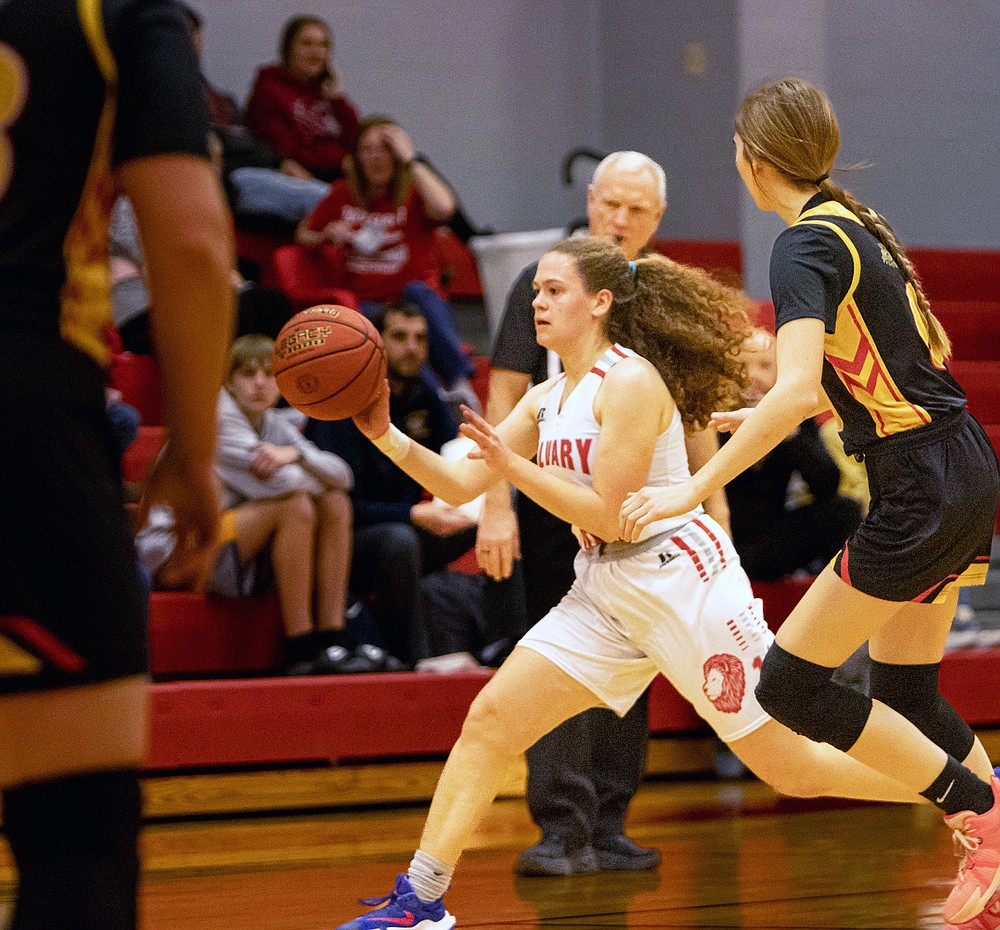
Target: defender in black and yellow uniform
(931,469)
(65,129)
(96,98)
(855,330)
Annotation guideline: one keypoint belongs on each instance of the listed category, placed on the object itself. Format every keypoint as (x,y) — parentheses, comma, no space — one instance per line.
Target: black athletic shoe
(552,855)
(620,854)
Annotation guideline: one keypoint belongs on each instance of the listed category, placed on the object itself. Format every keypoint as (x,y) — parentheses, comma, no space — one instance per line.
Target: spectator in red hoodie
(380,218)
(298,108)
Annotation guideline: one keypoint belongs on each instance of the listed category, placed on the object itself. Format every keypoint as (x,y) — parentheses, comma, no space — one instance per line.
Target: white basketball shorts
(678,603)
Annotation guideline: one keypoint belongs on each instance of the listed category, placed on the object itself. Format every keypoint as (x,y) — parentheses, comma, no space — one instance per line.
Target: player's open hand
(492,449)
(728,421)
(373,421)
(498,541)
(647,505)
(192,495)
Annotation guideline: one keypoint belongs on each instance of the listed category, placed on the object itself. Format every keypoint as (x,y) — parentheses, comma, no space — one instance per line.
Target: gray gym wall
(496,92)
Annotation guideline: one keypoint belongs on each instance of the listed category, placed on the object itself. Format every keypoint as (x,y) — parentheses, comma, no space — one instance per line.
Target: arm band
(393,443)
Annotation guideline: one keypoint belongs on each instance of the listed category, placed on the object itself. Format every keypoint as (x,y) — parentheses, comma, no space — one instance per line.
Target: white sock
(429,877)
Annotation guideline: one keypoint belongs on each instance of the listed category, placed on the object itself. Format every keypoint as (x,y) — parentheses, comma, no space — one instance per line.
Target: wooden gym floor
(734,856)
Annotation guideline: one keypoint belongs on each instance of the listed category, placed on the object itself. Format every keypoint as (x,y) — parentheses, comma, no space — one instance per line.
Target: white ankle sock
(429,877)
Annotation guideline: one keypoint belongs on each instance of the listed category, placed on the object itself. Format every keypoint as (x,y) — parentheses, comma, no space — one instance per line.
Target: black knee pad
(802,696)
(74,841)
(912,690)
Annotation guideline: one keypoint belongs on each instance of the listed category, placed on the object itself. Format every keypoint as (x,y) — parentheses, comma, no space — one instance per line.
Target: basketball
(328,362)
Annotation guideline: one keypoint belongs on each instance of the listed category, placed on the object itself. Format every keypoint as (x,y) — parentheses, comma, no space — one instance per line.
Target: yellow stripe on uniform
(851,350)
(86,295)
(16,661)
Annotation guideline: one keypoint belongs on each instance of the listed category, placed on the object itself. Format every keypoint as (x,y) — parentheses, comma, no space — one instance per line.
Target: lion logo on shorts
(725,682)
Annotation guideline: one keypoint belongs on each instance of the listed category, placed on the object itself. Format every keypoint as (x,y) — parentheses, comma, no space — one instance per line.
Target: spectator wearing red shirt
(382,217)
(298,107)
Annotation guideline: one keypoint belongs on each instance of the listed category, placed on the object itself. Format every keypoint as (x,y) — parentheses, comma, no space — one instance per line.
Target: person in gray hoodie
(286,512)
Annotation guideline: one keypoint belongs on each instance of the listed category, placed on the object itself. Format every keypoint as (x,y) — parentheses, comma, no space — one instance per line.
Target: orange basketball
(328,362)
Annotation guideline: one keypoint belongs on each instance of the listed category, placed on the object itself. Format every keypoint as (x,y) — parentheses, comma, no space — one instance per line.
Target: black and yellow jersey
(104,82)
(878,370)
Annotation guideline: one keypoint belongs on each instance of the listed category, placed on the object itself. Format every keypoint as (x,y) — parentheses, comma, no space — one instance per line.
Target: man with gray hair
(582,775)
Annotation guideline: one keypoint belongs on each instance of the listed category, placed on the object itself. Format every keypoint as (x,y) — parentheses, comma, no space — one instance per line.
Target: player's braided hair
(687,324)
(791,125)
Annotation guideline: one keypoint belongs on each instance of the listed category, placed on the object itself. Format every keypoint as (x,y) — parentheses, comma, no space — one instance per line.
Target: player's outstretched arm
(454,482)
(796,395)
(633,407)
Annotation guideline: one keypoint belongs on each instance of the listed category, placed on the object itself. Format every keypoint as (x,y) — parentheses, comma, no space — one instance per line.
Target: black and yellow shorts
(70,601)
(934,494)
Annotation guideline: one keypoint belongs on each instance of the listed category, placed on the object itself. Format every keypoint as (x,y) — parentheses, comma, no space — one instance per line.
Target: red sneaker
(978,837)
(989,919)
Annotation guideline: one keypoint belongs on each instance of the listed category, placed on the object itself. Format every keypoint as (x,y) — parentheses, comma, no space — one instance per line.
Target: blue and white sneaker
(401,908)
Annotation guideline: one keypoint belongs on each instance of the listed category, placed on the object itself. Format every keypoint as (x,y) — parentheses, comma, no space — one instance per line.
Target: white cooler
(501,257)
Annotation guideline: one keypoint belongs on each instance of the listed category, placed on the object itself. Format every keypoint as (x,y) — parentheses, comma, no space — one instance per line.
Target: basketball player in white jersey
(675,601)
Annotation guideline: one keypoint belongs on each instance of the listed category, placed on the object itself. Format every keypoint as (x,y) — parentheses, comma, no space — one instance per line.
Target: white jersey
(568,437)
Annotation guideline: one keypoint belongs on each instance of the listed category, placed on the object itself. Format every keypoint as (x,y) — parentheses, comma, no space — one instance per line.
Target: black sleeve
(161,107)
(516,348)
(811,271)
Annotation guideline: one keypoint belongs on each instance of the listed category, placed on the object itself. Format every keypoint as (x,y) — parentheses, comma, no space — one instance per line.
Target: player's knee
(802,696)
(487,722)
(912,690)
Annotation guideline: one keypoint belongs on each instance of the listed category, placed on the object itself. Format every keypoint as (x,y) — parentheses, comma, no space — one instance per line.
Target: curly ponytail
(687,324)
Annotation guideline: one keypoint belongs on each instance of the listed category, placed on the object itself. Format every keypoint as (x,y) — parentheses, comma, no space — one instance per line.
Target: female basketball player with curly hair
(668,602)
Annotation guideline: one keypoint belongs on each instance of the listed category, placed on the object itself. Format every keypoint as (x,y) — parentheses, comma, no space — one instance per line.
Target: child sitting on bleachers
(286,516)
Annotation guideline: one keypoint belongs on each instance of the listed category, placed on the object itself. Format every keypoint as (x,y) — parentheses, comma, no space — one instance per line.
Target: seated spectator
(298,106)
(259,309)
(773,538)
(382,216)
(287,515)
(466,621)
(399,536)
(251,168)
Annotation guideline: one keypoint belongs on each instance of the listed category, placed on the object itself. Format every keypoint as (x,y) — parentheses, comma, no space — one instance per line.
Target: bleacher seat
(254,248)
(140,455)
(981,380)
(138,378)
(459,272)
(724,260)
(957,274)
(304,274)
(193,635)
(972,325)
